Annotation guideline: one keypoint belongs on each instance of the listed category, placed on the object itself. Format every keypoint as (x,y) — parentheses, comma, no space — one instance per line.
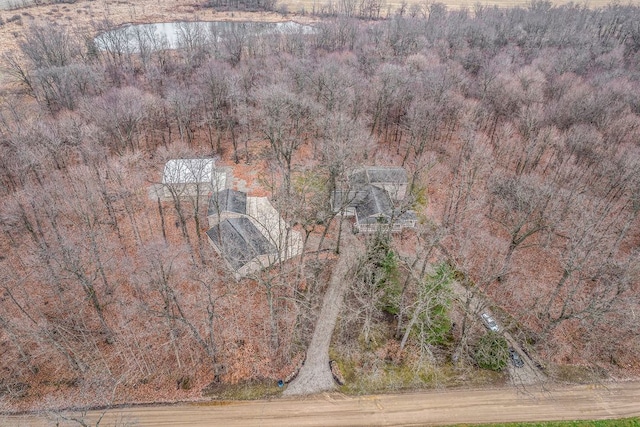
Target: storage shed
(191,177)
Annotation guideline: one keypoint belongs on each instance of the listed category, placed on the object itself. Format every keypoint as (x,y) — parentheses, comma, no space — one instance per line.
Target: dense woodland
(520,129)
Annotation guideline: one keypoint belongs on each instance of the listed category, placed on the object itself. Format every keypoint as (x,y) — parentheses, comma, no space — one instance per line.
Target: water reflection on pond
(176,35)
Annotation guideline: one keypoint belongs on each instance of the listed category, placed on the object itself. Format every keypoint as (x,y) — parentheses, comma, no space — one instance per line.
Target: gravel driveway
(315,375)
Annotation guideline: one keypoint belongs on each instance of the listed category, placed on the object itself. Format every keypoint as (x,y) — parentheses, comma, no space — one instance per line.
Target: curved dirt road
(425,408)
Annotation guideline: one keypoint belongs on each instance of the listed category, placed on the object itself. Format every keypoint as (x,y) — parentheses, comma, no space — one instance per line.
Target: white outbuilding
(192,177)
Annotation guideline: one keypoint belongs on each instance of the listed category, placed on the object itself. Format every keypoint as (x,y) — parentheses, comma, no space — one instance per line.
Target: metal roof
(239,241)
(228,201)
(188,171)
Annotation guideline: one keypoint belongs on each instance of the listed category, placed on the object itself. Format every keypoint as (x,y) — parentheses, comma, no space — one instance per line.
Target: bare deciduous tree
(287,121)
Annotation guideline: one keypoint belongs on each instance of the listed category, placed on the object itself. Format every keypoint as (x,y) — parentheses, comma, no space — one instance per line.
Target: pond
(178,35)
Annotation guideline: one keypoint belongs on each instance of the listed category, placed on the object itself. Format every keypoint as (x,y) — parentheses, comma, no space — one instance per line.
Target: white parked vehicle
(490,322)
(515,358)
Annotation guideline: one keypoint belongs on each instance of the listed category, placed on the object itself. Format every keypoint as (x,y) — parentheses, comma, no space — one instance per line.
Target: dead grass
(82,15)
(249,297)
(387,377)
(245,390)
(577,374)
(382,370)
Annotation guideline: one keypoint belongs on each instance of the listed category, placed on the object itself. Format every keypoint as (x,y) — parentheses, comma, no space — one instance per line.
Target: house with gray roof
(345,201)
(371,199)
(393,179)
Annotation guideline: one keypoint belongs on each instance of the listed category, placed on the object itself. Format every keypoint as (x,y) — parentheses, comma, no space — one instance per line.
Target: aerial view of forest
(426,196)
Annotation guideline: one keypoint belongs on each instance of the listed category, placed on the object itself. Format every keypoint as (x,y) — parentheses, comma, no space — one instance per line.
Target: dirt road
(425,408)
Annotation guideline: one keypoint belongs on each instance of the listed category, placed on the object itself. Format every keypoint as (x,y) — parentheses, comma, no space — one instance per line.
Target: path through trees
(315,375)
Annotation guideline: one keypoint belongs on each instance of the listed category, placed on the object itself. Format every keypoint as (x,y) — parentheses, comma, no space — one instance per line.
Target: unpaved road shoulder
(614,400)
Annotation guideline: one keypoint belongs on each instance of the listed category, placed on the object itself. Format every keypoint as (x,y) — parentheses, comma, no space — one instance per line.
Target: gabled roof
(376,203)
(188,171)
(239,241)
(228,201)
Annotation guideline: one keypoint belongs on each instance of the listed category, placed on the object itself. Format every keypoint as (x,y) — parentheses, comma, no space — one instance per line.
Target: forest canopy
(520,130)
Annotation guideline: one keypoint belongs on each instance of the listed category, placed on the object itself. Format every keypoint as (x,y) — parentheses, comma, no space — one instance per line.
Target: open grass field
(84,14)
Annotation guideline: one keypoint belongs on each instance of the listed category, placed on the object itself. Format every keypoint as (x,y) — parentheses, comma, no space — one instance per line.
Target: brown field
(297,6)
(84,14)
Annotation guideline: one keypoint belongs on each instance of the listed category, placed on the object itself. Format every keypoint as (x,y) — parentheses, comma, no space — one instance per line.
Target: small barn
(192,178)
